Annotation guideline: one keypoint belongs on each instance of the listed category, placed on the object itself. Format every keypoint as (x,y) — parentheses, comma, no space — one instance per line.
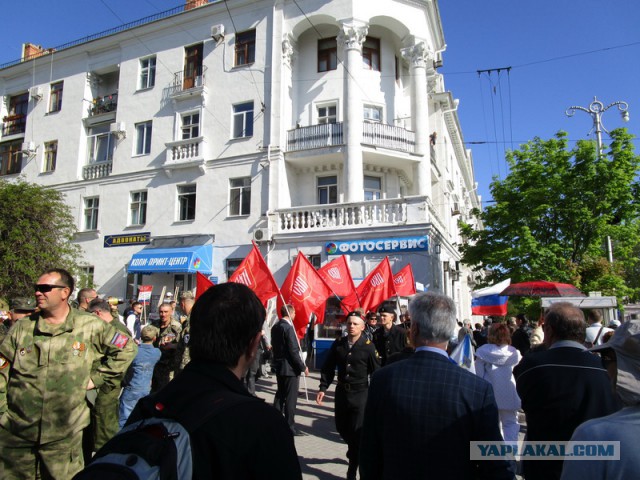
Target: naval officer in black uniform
(356,358)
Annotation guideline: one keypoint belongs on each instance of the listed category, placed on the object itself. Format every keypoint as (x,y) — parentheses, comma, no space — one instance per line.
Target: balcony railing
(184,151)
(326,217)
(331,134)
(388,136)
(96,170)
(188,79)
(106,104)
(14,124)
(315,136)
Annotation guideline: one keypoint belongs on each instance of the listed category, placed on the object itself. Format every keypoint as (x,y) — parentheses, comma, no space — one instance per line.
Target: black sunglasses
(46,288)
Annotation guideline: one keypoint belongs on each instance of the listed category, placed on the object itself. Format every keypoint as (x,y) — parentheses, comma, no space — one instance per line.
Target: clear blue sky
(543,41)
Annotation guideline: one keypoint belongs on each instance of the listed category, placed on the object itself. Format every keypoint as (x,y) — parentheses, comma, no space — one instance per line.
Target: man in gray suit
(288,364)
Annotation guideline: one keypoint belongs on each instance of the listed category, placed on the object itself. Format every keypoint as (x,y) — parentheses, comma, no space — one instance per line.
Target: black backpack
(158,446)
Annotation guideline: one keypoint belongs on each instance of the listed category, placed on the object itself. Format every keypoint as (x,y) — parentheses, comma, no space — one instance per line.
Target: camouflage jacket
(184,355)
(45,370)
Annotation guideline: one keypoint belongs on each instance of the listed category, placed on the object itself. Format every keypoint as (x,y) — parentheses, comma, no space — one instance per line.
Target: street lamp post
(596,109)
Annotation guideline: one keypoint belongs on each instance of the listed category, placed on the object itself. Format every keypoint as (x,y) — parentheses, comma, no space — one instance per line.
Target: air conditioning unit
(28,147)
(35,93)
(217,32)
(198,81)
(118,129)
(261,235)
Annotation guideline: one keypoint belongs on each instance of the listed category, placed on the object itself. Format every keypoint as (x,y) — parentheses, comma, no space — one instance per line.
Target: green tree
(36,233)
(554,211)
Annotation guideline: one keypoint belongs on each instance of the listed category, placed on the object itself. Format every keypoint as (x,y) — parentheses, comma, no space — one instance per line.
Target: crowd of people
(72,376)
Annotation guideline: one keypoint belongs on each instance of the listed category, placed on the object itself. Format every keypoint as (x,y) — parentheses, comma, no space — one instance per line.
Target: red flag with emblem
(337,275)
(202,284)
(255,274)
(305,290)
(404,282)
(375,289)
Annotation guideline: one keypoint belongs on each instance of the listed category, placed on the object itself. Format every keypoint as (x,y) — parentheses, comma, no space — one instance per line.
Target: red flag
(202,284)
(404,282)
(337,275)
(375,289)
(255,274)
(305,290)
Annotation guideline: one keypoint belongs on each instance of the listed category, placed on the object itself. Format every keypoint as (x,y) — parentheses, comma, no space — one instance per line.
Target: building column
(420,57)
(351,38)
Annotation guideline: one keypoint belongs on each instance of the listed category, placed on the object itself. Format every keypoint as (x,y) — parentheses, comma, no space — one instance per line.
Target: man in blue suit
(423,412)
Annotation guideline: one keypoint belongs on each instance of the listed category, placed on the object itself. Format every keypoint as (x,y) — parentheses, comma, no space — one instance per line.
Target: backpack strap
(595,341)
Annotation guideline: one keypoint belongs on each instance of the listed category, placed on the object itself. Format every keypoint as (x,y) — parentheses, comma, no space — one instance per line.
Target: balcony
(105,104)
(184,154)
(97,170)
(187,83)
(315,136)
(388,136)
(331,134)
(14,125)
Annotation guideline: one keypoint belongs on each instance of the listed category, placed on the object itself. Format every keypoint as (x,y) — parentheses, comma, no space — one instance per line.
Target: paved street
(322,452)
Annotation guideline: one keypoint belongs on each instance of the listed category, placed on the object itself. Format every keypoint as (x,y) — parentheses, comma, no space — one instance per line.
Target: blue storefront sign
(378,245)
(173,260)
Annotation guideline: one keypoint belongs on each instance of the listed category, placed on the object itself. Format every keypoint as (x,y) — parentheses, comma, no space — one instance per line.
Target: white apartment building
(311,125)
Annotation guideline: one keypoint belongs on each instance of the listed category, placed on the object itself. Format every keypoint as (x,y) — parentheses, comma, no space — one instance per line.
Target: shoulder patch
(4,363)
(367,342)
(119,340)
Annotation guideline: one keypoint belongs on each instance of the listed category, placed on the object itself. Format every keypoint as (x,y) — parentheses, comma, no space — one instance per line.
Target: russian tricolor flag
(488,301)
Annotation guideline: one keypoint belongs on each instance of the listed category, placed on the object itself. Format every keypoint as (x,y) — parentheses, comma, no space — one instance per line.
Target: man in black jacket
(250,439)
(389,338)
(288,364)
(561,387)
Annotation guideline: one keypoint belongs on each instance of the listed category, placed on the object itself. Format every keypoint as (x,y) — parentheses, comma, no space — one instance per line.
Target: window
(100,144)
(138,208)
(232,266)
(50,156)
(315,260)
(10,158)
(327,114)
(91,205)
(186,202)
(245,48)
(190,126)
(193,72)
(240,196)
(243,120)
(147,73)
(86,277)
(327,190)
(372,113)
(327,54)
(371,54)
(372,188)
(143,138)
(16,119)
(55,98)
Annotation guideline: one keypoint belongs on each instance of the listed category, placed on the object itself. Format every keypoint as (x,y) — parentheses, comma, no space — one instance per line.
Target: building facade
(318,126)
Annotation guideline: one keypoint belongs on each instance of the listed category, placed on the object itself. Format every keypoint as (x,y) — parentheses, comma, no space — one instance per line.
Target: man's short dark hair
(566,321)
(135,304)
(287,310)
(594,316)
(523,319)
(65,277)
(98,304)
(224,320)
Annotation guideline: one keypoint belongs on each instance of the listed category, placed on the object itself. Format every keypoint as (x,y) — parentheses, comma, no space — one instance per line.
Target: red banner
(404,282)
(305,290)
(202,284)
(337,275)
(255,274)
(375,289)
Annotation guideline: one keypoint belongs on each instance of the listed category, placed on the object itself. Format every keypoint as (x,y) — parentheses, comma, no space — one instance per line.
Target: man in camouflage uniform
(104,414)
(167,341)
(19,307)
(183,356)
(47,363)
